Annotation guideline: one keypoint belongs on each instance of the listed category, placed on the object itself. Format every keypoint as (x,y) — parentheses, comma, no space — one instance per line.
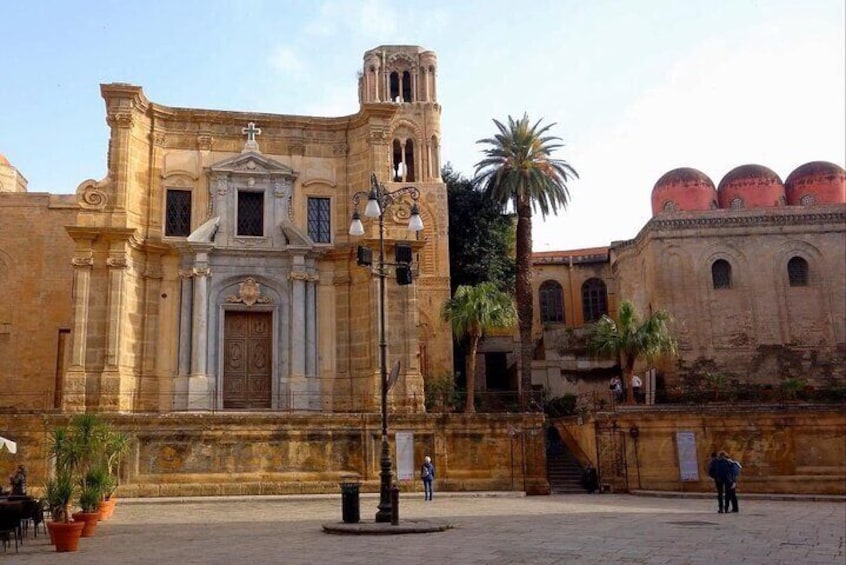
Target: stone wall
(786,449)
(760,329)
(35,309)
(180,454)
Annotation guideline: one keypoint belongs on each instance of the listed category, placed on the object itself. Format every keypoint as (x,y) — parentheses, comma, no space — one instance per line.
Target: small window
(250,213)
(736,203)
(178,213)
(797,271)
(721,273)
(319,224)
(670,206)
(551,301)
(594,299)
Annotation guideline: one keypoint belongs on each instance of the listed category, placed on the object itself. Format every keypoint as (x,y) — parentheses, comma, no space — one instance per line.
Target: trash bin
(350,512)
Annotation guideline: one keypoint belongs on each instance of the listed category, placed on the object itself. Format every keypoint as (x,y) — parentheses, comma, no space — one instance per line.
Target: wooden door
(247,360)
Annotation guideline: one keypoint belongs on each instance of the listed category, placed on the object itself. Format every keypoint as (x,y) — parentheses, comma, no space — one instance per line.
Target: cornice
(172,116)
(805,217)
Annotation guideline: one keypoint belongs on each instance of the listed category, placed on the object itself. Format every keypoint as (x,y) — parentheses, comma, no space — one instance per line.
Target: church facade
(212,268)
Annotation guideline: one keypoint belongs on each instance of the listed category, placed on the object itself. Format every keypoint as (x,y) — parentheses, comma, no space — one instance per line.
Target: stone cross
(252,131)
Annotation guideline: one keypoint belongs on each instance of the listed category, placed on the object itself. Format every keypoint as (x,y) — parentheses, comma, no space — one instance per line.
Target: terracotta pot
(65,536)
(89,520)
(107,508)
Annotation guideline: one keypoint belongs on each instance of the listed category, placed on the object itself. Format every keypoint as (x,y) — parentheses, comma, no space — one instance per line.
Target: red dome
(683,189)
(817,182)
(750,186)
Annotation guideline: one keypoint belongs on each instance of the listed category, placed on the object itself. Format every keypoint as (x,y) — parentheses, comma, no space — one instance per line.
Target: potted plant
(115,446)
(92,490)
(60,492)
(74,449)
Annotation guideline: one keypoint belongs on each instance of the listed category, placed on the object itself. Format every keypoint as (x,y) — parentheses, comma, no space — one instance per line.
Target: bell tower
(406,75)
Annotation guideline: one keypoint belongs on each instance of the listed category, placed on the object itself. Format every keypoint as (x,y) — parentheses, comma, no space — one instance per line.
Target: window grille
(250,213)
(551,301)
(178,213)
(319,220)
(594,299)
(797,271)
(721,274)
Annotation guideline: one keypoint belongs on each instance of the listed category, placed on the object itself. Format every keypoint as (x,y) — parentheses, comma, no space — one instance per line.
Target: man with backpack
(725,471)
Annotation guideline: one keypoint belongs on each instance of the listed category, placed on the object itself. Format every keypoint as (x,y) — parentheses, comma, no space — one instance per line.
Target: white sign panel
(688,466)
(405,455)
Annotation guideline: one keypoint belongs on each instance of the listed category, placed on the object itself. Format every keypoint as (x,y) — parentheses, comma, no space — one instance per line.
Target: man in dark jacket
(726,479)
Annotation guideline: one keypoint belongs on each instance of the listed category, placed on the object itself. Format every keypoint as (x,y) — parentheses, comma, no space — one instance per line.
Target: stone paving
(488,529)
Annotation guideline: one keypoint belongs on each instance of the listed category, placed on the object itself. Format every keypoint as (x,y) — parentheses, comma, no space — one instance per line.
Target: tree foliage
(481,237)
(472,312)
(628,338)
(518,169)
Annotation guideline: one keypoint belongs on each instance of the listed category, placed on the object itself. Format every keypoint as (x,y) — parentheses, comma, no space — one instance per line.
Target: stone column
(425,84)
(311,343)
(404,165)
(110,380)
(297,329)
(73,399)
(180,401)
(198,385)
(415,95)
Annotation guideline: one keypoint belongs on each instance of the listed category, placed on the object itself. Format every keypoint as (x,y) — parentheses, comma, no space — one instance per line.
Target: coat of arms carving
(249,293)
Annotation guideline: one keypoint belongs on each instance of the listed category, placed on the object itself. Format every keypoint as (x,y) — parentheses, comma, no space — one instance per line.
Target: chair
(33,511)
(11,515)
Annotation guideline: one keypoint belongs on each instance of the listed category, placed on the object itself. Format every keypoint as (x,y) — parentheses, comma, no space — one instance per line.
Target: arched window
(721,274)
(594,299)
(736,203)
(551,301)
(670,206)
(797,271)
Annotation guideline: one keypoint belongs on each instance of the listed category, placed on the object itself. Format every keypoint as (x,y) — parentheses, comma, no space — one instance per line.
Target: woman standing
(427,473)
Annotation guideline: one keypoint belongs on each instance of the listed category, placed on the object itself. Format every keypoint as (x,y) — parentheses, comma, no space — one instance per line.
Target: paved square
(500,530)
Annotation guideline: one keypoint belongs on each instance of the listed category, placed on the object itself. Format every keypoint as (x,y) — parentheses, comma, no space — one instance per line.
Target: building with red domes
(752,270)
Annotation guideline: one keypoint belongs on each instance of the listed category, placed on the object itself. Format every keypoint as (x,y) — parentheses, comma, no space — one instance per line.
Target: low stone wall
(190,454)
(798,448)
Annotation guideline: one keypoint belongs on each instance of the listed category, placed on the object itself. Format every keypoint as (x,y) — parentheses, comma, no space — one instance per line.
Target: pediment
(295,237)
(252,163)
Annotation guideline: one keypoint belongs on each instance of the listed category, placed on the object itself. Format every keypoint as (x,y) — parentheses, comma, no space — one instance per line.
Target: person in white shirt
(636,384)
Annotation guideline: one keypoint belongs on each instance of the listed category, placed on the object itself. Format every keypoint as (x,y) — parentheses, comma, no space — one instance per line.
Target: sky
(634,88)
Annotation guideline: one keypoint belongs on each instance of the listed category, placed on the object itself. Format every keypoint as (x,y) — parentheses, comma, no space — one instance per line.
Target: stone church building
(212,269)
(752,271)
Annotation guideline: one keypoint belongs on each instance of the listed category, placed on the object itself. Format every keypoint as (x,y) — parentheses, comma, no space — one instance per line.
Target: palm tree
(629,338)
(518,169)
(472,312)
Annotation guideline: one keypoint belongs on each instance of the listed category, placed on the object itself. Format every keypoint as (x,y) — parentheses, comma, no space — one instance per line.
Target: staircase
(563,470)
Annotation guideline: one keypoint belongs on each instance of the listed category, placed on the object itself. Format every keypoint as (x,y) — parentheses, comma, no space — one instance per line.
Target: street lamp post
(378,200)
